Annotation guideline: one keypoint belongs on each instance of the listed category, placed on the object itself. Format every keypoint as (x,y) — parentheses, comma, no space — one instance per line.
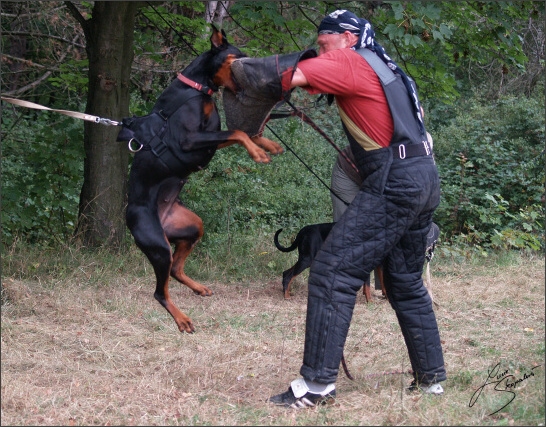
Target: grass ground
(85,343)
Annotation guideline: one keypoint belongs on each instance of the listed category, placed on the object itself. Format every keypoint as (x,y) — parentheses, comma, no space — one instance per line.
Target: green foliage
(175,25)
(273,27)
(491,162)
(42,174)
(72,78)
(235,195)
(490,156)
(437,43)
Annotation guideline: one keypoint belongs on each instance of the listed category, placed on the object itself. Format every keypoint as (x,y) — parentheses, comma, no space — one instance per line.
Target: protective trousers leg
(390,223)
(413,307)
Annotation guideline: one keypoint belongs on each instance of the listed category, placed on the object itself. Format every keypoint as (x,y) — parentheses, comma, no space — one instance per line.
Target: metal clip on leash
(107,122)
(75,114)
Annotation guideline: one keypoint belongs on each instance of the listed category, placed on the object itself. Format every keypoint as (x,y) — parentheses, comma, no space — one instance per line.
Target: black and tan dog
(308,242)
(178,138)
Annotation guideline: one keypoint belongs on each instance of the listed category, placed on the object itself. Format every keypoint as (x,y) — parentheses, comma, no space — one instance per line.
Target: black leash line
(308,120)
(172,28)
(306,165)
(304,117)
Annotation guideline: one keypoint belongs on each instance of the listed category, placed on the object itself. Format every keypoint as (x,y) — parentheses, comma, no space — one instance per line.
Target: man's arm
(298,79)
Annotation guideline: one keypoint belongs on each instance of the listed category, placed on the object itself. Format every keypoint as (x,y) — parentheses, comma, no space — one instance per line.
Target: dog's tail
(292,247)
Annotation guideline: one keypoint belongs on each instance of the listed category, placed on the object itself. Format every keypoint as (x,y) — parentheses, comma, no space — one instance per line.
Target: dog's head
(217,61)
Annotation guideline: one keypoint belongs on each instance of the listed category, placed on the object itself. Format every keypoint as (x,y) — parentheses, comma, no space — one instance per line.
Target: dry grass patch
(94,348)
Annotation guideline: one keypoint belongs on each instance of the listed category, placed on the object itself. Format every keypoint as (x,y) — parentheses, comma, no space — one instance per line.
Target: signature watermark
(502,382)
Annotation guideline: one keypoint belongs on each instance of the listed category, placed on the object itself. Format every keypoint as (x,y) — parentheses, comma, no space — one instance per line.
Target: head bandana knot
(342,20)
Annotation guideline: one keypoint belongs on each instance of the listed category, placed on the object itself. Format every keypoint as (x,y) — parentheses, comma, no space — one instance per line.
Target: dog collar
(197,86)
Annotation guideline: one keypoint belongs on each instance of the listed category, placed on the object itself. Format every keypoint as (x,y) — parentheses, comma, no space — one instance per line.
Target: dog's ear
(218,38)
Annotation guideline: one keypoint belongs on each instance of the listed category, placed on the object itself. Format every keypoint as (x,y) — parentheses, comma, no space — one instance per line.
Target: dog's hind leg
(150,238)
(367,292)
(162,295)
(379,271)
(183,228)
(303,263)
(287,277)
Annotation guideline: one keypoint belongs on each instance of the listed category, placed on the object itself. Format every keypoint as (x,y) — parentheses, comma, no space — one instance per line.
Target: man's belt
(402,151)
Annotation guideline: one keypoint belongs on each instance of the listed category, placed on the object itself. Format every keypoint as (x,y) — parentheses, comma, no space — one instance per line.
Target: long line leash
(75,114)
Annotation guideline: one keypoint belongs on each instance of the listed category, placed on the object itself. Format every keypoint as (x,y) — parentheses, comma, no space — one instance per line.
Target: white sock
(318,388)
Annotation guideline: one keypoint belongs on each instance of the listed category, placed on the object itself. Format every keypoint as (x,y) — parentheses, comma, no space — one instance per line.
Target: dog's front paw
(259,155)
(268,145)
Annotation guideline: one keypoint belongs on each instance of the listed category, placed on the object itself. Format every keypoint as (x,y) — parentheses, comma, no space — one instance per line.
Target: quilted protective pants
(387,223)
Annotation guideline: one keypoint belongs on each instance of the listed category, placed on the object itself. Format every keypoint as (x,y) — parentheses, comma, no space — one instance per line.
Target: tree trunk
(215,11)
(109,35)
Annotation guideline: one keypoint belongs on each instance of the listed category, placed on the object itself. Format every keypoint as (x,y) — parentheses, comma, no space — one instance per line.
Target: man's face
(328,42)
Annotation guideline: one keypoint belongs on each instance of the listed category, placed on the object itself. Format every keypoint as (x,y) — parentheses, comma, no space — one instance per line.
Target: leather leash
(298,113)
(75,114)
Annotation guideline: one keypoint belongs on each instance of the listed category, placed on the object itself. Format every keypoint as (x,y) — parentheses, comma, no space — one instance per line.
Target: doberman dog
(308,242)
(155,214)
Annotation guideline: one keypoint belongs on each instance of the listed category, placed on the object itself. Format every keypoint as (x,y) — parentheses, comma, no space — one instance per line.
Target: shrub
(42,174)
(490,159)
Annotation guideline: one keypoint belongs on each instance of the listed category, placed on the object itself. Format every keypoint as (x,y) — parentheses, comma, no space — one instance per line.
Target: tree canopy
(453,50)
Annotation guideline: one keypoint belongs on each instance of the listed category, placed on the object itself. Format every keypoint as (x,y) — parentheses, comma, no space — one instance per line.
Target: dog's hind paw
(183,322)
(202,290)
(186,326)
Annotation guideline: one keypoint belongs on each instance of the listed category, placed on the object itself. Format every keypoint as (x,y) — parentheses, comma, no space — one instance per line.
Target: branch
(78,17)
(292,37)
(24,33)
(307,17)
(29,86)
(27,62)
(41,79)
(26,15)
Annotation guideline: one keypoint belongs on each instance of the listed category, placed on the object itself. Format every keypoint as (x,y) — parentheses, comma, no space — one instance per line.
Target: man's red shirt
(356,87)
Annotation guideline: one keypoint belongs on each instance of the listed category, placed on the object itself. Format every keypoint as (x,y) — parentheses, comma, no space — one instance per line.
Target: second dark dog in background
(309,240)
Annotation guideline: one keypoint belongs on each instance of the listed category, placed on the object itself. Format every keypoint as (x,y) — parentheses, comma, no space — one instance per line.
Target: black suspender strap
(384,73)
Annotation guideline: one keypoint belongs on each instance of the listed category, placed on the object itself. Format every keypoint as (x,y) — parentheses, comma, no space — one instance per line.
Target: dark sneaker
(435,388)
(304,398)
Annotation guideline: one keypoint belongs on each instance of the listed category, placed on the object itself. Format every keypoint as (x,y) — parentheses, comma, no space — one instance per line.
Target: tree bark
(109,35)
(215,11)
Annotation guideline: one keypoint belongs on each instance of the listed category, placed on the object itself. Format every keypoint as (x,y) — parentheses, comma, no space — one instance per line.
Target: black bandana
(342,20)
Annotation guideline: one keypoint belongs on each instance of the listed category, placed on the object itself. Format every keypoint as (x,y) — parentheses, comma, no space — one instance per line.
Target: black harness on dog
(149,131)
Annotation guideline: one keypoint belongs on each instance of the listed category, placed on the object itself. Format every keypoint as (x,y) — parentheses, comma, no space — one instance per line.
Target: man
(387,222)
(345,182)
